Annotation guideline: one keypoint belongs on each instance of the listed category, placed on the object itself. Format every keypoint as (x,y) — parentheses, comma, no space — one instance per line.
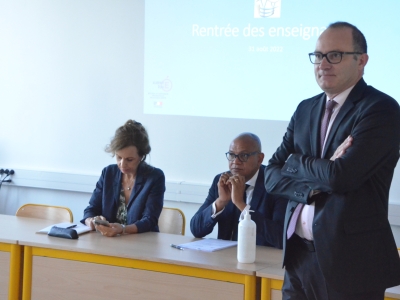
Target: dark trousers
(304,280)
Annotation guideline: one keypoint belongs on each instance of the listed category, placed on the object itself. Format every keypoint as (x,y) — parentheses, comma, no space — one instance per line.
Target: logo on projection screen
(160,91)
(267,9)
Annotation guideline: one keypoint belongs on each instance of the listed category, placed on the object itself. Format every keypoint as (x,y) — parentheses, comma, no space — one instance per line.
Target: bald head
(250,139)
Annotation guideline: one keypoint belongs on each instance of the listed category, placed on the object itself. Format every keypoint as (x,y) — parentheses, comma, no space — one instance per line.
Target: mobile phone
(101,222)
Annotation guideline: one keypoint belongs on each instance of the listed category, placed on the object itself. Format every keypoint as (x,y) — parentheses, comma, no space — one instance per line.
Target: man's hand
(342,148)
(224,191)
(238,184)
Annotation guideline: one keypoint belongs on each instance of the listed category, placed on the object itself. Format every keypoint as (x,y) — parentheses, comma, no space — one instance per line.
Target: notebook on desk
(78,227)
(209,245)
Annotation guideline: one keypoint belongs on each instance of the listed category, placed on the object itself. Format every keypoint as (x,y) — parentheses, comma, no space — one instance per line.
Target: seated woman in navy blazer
(129,194)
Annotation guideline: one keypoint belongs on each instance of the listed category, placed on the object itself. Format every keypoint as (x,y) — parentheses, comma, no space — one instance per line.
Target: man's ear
(363,60)
(260,158)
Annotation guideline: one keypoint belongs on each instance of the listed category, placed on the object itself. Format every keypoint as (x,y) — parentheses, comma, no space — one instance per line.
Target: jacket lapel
(139,182)
(259,189)
(315,124)
(117,186)
(348,105)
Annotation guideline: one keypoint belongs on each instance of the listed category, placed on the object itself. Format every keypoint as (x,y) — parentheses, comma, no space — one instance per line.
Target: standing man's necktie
(325,121)
(324,127)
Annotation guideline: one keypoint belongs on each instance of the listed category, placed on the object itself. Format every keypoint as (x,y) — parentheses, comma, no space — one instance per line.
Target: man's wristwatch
(123,229)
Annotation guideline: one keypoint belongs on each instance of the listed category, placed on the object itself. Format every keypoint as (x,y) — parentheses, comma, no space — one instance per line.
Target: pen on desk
(176,247)
(72,226)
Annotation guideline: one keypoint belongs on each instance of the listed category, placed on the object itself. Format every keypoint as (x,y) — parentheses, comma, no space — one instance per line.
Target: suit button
(291,170)
(298,195)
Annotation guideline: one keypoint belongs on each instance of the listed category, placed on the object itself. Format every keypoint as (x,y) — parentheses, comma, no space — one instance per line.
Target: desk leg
(250,287)
(14,287)
(265,288)
(27,275)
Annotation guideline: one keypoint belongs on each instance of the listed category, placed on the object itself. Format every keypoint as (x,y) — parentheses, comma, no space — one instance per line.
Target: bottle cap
(247,215)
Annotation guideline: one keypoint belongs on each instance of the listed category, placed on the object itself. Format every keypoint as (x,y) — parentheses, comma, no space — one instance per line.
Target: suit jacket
(352,236)
(145,203)
(269,214)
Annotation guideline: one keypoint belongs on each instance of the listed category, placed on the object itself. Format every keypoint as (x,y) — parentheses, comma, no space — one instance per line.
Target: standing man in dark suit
(342,246)
(242,189)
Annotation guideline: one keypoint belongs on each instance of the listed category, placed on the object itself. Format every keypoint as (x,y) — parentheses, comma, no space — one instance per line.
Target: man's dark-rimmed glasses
(333,57)
(243,157)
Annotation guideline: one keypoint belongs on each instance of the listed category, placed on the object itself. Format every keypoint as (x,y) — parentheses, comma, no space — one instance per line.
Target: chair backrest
(57,214)
(172,220)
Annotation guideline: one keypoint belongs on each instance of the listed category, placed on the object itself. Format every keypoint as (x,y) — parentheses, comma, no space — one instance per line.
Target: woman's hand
(90,221)
(113,230)
(116,229)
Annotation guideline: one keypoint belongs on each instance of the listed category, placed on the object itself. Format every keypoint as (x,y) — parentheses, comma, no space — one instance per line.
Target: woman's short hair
(132,133)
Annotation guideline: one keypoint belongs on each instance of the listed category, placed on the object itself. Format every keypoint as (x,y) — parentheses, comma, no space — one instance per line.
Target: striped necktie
(325,121)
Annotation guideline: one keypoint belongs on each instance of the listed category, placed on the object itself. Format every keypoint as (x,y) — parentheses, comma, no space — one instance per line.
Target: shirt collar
(341,98)
(252,180)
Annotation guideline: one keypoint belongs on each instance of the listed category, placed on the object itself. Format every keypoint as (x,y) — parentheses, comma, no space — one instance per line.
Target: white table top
(393,292)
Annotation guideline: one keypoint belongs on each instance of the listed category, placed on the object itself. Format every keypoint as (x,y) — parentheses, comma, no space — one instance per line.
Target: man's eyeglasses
(333,57)
(243,157)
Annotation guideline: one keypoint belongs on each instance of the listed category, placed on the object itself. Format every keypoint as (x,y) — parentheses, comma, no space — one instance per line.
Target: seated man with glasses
(242,188)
